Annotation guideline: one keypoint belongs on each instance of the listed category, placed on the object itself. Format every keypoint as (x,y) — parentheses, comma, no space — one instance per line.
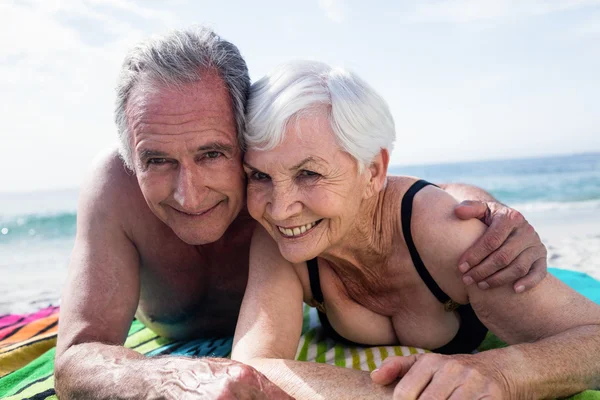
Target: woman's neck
(368,243)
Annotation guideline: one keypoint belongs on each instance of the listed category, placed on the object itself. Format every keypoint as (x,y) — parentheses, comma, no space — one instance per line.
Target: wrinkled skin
(186,379)
(510,251)
(436,376)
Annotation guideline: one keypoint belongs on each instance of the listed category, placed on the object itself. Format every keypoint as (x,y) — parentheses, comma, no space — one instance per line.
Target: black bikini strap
(315,282)
(406,214)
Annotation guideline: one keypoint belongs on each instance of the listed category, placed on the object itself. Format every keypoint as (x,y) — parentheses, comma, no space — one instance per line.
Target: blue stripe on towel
(580,282)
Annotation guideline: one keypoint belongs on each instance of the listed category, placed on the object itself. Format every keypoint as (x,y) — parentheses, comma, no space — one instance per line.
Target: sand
(572,238)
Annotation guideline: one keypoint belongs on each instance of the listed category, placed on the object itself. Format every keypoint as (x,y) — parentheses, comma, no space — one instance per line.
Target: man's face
(187,158)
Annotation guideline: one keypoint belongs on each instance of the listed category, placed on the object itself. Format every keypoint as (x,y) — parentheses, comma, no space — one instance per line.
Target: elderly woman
(376,255)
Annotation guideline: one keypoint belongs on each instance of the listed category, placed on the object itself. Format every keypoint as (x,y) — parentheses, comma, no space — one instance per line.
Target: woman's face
(306,192)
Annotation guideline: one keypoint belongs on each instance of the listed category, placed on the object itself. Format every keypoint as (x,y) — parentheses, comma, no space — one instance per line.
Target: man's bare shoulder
(110,188)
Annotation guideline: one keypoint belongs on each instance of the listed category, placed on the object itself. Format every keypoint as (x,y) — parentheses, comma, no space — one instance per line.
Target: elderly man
(163,234)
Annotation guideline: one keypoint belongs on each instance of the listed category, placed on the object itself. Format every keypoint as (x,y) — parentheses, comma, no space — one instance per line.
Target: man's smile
(196,213)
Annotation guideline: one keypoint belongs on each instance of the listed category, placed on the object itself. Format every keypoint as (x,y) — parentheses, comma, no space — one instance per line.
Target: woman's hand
(436,376)
(509,251)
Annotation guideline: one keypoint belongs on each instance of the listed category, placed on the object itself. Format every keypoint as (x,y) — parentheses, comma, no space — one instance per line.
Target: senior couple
(167,232)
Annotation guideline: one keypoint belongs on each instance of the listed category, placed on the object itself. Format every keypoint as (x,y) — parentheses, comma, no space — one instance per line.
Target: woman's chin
(295,256)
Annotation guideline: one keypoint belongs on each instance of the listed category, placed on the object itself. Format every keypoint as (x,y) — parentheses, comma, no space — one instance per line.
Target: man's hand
(509,251)
(436,376)
(214,378)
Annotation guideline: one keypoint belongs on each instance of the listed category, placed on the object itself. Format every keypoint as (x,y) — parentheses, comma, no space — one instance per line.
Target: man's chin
(200,233)
(200,238)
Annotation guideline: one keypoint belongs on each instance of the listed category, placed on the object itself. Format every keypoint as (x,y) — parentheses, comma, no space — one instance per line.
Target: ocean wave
(555,205)
(38,226)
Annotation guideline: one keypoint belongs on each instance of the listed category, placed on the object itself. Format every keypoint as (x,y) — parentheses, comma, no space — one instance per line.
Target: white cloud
(58,68)
(334,10)
(459,11)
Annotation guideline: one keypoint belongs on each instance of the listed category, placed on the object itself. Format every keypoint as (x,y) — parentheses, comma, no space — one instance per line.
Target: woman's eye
(258,176)
(306,173)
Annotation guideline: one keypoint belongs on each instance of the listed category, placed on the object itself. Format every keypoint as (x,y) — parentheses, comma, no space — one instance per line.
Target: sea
(37,229)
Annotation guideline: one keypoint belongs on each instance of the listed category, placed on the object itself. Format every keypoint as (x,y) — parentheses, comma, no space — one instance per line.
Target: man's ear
(378,170)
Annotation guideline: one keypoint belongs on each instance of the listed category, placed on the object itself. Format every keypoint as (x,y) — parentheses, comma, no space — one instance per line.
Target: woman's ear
(378,170)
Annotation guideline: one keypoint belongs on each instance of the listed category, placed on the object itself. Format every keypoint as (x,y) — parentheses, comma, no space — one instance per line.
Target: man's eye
(213,154)
(157,161)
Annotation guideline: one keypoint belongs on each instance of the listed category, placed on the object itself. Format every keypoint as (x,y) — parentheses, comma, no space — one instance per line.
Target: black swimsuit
(471,331)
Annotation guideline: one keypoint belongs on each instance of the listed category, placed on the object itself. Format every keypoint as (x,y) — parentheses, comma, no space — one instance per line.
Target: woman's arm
(556,331)
(270,320)
(269,328)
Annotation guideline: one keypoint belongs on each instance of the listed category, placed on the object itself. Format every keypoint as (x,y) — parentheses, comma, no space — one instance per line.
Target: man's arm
(98,305)
(100,296)
(269,328)
(509,252)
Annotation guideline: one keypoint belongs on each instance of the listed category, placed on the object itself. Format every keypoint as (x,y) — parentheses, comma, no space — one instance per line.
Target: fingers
(489,242)
(538,271)
(469,209)
(514,260)
(392,369)
(416,379)
(517,269)
(442,385)
(488,271)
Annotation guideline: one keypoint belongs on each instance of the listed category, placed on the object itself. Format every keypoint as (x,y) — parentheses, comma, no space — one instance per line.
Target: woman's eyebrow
(249,166)
(307,160)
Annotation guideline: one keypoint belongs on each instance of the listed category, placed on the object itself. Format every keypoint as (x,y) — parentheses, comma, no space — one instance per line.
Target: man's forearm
(556,366)
(94,371)
(309,380)
(98,371)
(461,192)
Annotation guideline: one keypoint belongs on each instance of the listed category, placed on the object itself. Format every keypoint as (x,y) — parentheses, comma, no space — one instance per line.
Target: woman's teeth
(297,230)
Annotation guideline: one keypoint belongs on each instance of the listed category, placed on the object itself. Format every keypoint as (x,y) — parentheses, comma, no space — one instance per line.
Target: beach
(572,238)
(559,195)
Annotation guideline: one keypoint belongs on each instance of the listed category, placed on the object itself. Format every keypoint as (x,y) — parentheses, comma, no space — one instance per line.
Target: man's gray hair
(359,117)
(177,58)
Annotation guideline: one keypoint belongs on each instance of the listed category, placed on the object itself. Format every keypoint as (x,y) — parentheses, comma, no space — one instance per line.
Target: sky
(465,79)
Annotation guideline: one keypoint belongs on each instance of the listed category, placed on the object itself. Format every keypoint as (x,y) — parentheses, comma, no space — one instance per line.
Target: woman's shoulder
(439,236)
(426,192)
(427,206)
(400,184)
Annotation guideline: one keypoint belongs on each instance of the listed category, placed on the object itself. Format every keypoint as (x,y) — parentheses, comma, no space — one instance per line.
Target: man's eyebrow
(147,153)
(216,146)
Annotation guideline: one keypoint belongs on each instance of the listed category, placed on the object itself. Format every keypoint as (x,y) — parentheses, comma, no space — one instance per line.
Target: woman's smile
(297,231)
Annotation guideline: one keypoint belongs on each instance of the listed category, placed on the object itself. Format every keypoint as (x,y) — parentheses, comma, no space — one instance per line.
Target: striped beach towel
(27,347)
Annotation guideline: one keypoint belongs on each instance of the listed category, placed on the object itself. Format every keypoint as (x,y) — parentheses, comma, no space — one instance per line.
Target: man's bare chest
(186,291)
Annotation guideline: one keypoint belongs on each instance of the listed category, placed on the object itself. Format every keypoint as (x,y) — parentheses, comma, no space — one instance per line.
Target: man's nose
(190,191)
(284,204)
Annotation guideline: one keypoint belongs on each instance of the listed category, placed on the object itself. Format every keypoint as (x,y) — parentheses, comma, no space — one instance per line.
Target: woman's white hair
(359,117)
